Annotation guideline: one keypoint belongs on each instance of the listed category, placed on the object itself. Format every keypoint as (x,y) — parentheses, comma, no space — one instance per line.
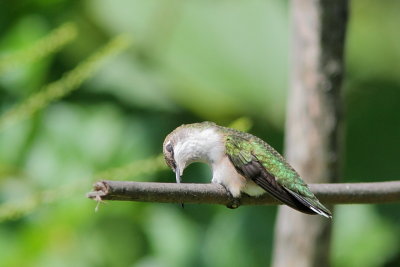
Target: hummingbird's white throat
(198,145)
(208,146)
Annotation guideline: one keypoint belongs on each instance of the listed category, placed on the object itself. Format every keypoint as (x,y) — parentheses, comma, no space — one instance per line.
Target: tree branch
(346,193)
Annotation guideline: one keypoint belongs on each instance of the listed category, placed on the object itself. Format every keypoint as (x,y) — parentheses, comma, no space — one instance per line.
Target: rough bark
(313,120)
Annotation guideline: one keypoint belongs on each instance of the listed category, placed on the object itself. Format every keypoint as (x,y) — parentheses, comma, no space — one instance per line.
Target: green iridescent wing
(256,160)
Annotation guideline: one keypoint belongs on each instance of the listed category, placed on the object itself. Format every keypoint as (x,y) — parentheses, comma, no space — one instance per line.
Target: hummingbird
(240,162)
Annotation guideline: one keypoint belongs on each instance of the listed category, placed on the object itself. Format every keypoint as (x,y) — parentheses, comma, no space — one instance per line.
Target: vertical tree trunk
(313,120)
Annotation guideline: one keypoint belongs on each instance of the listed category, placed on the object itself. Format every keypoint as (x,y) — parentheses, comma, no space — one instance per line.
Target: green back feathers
(248,152)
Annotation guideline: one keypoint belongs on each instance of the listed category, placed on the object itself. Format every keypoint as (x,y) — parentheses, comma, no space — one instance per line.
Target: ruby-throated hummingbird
(241,162)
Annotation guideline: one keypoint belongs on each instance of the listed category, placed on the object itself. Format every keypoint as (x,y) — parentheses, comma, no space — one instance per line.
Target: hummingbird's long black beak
(178,179)
(178,175)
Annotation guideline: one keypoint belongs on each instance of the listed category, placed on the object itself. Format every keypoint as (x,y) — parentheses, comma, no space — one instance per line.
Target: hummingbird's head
(169,147)
(198,142)
(168,150)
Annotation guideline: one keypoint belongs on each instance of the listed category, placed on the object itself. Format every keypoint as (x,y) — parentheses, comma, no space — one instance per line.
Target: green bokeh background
(189,61)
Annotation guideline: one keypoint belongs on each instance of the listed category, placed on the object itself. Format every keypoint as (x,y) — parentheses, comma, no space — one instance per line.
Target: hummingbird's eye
(169,148)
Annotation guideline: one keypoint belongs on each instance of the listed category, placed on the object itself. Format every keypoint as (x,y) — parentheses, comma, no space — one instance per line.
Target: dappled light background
(89,89)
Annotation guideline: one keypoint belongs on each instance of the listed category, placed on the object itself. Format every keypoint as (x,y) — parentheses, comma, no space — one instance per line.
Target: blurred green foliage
(105,116)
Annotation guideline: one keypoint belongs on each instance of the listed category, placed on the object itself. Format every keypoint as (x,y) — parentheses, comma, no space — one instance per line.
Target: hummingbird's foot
(234,202)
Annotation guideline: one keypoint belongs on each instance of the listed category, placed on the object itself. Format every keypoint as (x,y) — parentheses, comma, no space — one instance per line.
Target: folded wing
(252,159)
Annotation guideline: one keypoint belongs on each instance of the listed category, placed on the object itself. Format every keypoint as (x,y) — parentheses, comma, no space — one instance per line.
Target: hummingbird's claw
(234,202)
